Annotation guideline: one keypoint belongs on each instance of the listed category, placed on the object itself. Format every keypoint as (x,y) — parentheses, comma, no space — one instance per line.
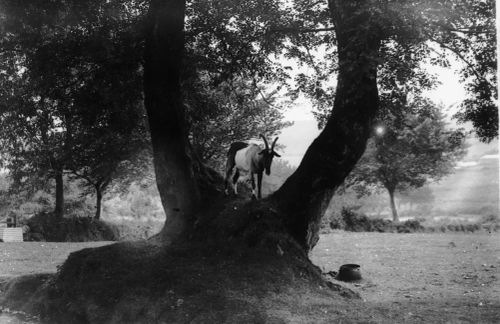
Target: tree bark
(163,100)
(395,216)
(304,197)
(59,208)
(98,203)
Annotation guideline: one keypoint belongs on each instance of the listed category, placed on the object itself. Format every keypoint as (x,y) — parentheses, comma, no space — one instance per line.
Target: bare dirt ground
(408,278)
(438,278)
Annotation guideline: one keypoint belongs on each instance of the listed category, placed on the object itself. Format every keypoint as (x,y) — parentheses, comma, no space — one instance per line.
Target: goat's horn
(265,141)
(274,142)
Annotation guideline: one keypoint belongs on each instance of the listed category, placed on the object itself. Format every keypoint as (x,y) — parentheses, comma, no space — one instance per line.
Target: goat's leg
(259,184)
(229,170)
(235,181)
(252,181)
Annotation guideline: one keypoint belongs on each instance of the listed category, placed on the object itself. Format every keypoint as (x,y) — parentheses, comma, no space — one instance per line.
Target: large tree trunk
(173,165)
(59,208)
(305,195)
(395,215)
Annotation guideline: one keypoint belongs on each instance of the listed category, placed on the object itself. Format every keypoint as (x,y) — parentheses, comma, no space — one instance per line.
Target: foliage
(358,222)
(236,110)
(229,83)
(139,201)
(46,227)
(412,32)
(25,204)
(85,64)
(72,90)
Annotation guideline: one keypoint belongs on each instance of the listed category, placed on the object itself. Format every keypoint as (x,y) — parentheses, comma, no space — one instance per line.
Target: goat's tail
(235,147)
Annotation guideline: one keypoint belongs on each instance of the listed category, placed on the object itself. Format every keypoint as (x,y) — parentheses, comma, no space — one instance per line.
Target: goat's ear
(276,154)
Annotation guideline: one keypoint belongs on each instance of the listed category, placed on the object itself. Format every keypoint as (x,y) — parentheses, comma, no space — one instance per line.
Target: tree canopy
(71,86)
(412,33)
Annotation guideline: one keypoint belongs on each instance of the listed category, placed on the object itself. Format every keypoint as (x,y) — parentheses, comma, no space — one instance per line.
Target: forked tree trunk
(163,100)
(59,208)
(394,210)
(305,195)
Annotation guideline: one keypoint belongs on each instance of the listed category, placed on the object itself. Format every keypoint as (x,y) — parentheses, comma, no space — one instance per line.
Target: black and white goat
(249,158)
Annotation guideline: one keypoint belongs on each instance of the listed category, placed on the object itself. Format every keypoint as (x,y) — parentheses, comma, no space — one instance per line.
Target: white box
(11,234)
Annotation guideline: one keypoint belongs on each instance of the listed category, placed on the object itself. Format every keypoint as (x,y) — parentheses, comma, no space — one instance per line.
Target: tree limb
(470,66)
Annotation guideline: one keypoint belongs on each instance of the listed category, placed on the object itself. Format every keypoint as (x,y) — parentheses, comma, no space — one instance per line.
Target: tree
(94,63)
(200,221)
(61,100)
(458,29)
(109,157)
(408,152)
(367,34)
(32,139)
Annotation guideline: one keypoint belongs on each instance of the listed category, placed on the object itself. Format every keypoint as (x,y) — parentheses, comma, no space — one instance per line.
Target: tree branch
(470,66)
(298,30)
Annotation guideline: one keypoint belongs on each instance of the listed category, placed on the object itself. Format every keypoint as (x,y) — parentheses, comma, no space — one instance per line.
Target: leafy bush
(410,226)
(133,230)
(46,227)
(357,222)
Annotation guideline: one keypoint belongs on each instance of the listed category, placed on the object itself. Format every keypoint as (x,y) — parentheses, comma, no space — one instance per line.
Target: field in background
(466,196)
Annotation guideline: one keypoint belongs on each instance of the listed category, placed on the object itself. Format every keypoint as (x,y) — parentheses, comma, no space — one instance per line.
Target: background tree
(107,157)
(68,83)
(409,151)
(34,142)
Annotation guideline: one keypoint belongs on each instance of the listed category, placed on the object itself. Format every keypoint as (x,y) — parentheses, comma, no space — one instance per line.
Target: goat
(249,158)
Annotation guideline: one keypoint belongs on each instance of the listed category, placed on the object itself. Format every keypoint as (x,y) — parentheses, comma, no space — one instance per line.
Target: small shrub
(409,226)
(337,222)
(473,227)
(46,227)
(357,222)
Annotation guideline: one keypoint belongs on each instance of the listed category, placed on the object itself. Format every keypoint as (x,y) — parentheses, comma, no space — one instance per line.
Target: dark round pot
(349,272)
